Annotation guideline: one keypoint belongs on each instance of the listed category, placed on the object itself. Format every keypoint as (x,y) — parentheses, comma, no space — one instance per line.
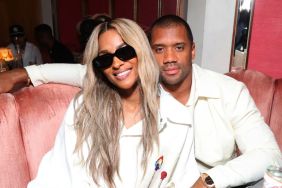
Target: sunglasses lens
(103,61)
(125,53)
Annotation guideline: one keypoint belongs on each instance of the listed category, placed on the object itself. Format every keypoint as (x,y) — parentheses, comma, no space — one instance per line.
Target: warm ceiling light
(6,54)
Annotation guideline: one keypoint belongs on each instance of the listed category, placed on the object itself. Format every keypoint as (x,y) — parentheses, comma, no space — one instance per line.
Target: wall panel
(147,12)
(97,6)
(123,8)
(69,13)
(266,38)
(26,13)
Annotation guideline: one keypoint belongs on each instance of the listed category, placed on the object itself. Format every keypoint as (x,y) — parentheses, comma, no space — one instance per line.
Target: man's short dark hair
(170,20)
(43,28)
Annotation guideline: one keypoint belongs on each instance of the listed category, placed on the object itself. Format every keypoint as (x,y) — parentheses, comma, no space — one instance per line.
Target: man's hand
(13,80)
(199,184)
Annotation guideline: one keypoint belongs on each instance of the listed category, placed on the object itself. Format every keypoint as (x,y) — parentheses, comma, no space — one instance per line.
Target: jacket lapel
(175,124)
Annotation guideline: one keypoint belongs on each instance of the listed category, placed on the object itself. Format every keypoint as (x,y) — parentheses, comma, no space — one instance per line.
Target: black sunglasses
(106,60)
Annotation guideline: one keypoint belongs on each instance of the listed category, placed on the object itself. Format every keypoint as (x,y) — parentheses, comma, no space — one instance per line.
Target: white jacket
(61,168)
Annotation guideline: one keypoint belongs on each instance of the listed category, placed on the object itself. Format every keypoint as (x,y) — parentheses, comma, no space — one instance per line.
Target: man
(58,52)
(25,52)
(87,25)
(220,122)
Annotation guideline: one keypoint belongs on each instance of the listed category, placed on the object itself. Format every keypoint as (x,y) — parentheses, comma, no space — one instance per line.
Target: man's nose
(170,56)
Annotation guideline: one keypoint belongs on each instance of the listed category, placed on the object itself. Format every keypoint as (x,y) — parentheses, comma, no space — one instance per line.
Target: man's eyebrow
(175,44)
(180,43)
(157,44)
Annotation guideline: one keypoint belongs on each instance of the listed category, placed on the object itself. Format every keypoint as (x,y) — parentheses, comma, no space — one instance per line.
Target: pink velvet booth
(276,112)
(29,120)
(261,88)
(267,94)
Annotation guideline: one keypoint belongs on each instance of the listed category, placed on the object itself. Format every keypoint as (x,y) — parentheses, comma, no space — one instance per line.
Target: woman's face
(122,74)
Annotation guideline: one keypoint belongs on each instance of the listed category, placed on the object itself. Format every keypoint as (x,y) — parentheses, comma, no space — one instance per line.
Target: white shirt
(225,116)
(31,54)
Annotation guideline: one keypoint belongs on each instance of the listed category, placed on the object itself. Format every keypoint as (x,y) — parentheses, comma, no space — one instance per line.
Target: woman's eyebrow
(106,51)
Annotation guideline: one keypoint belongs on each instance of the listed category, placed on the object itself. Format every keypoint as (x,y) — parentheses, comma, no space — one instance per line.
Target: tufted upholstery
(267,94)
(14,171)
(276,112)
(29,120)
(257,82)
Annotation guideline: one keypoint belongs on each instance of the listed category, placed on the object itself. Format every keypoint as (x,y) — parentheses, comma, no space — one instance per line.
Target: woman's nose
(117,63)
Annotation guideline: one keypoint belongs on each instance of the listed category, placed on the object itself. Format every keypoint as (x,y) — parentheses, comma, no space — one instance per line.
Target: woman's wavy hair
(98,118)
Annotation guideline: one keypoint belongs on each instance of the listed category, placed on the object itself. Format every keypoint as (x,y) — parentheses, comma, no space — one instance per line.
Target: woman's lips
(122,75)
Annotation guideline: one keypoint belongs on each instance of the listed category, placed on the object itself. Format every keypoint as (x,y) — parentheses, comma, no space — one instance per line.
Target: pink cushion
(14,171)
(41,118)
(276,117)
(261,88)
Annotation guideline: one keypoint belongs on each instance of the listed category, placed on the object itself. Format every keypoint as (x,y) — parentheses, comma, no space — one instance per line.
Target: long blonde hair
(98,117)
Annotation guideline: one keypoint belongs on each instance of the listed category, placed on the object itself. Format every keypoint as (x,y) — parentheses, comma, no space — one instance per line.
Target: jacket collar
(205,86)
(171,110)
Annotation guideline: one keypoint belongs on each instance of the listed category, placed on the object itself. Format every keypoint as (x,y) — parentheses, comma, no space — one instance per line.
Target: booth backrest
(261,88)
(276,112)
(267,94)
(14,171)
(29,120)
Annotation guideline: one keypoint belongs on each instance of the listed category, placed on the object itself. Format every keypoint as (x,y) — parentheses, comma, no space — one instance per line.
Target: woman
(113,134)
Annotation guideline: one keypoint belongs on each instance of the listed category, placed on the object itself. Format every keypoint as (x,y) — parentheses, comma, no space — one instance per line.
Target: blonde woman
(120,131)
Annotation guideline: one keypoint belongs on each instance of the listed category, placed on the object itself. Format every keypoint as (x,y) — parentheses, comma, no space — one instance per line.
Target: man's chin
(169,82)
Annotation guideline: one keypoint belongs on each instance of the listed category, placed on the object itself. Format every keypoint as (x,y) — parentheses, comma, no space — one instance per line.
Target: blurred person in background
(87,25)
(57,52)
(84,29)
(24,52)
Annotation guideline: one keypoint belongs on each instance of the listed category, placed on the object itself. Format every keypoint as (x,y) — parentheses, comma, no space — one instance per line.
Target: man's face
(41,39)
(20,40)
(174,53)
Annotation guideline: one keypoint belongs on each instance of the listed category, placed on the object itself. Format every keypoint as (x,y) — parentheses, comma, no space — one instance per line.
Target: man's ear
(193,51)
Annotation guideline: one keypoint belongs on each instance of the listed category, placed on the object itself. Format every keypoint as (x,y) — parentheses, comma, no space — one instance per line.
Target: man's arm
(71,74)
(13,80)
(255,141)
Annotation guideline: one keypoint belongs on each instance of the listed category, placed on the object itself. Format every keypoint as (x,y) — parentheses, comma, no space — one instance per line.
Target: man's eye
(159,50)
(179,47)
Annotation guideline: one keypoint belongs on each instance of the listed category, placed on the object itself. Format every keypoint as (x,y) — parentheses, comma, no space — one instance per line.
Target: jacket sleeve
(71,74)
(254,139)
